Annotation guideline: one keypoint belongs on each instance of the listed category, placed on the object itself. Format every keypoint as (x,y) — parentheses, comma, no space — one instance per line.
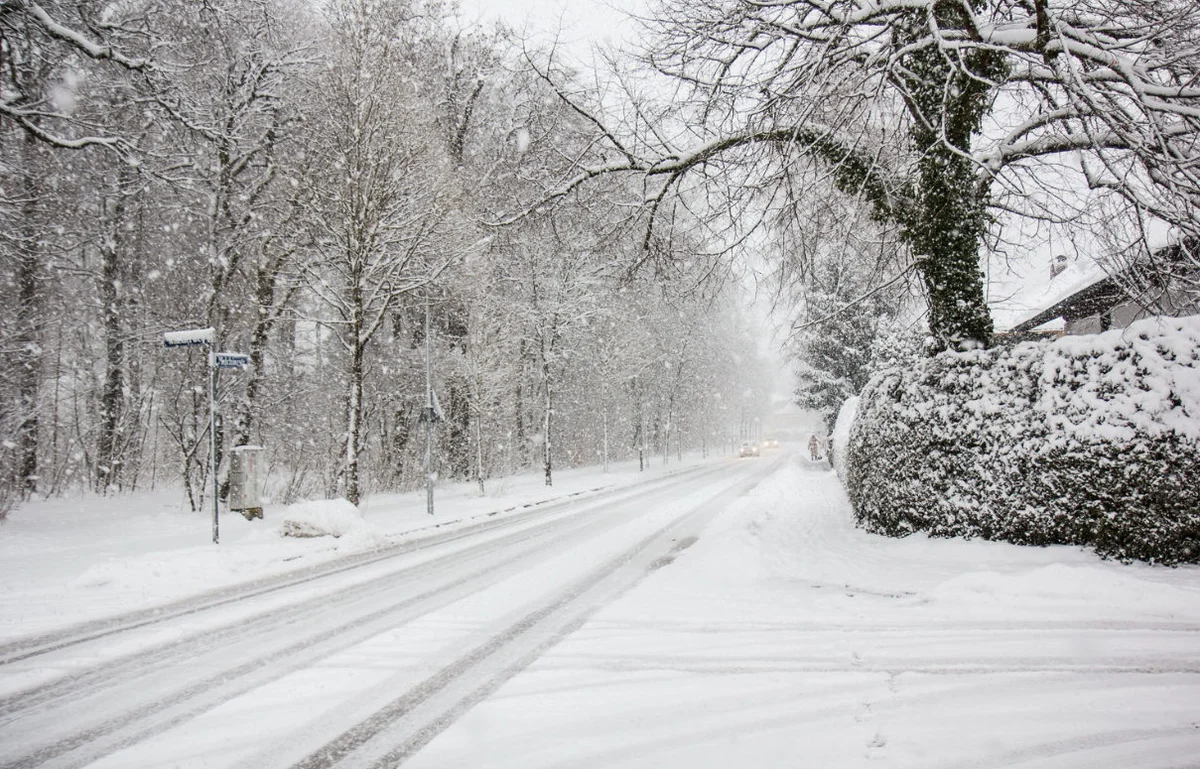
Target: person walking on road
(814,447)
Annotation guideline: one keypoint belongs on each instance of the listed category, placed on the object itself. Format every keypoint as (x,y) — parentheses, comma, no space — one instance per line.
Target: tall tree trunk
(639,430)
(458,432)
(112,395)
(948,106)
(605,446)
(948,236)
(266,314)
(354,411)
(519,403)
(265,317)
(477,424)
(29,280)
(354,394)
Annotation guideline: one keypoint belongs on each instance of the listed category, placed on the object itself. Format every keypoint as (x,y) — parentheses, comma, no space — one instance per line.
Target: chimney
(1057,265)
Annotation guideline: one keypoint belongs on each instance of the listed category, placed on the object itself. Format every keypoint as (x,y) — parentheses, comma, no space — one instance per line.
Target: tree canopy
(942,116)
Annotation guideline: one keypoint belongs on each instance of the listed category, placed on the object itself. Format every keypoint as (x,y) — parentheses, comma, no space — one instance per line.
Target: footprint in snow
(875,746)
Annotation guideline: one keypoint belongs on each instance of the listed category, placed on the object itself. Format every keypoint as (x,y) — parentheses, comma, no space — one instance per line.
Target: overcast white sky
(582,21)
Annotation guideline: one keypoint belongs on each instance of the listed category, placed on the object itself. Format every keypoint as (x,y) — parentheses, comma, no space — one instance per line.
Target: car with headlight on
(748,449)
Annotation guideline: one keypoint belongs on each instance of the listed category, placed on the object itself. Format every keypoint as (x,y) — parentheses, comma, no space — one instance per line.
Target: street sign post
(195,337)
(216,362)
(192,338)
(430,414)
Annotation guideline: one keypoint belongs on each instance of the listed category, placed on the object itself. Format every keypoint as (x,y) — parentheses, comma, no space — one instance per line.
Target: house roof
(1090,300)
(1034,296)
(1081,290)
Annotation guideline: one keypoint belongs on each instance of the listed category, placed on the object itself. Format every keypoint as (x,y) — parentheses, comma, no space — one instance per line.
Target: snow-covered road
(787,638)
(726,615)
(349,664)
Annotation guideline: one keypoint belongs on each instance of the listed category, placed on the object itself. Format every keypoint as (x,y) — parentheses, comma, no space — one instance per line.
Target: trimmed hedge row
(1089,441)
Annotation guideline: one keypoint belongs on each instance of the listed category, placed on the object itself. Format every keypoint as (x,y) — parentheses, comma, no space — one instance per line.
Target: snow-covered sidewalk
(71,560)
(785,637)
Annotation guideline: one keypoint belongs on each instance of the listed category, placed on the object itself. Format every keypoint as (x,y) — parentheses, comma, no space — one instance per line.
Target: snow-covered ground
(781,636)
(785,637)
(69,560)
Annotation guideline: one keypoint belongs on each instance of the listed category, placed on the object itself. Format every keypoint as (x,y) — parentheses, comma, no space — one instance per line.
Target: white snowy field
(785,637)
(777,636)
(70,560)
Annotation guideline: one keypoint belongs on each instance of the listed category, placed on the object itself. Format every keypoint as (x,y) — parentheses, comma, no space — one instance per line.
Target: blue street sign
(231,360)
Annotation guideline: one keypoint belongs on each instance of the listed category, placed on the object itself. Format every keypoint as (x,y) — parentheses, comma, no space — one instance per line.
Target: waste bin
(245,480)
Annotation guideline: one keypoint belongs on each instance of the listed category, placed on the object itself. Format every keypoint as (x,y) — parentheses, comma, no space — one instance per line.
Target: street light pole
(428,415)
(212,438)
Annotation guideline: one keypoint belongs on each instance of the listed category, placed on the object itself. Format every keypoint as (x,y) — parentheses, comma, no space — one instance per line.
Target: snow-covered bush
(1088,440)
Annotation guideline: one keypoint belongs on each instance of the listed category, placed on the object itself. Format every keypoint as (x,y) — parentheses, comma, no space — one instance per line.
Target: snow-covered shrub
(1088,440)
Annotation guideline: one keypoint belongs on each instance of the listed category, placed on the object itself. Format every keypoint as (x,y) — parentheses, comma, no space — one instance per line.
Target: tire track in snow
(1043,753)
(65,638)
(140,718)
(930,667)
(403,726)
(73,637)
(153,717)
(930,624)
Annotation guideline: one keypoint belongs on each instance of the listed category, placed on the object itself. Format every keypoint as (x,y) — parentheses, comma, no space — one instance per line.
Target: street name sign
(231,359)
(188,338)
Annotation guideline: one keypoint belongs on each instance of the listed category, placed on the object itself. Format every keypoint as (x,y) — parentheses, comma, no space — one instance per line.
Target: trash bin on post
(245,481)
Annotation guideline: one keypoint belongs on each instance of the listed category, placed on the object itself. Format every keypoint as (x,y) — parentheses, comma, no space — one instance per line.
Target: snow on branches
(941,116)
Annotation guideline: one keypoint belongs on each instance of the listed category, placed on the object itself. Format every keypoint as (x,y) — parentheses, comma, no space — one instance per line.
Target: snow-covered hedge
(1088,440)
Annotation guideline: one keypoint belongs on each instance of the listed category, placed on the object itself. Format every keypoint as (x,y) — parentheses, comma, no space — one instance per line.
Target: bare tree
(166,166)
(938,114)
(554,289)
(47,50)
(378,210)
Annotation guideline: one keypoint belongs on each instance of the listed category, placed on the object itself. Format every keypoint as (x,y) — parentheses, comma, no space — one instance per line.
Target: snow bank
(323,518)
(840,439)
(771,538)
(1089,440)
(1082,587)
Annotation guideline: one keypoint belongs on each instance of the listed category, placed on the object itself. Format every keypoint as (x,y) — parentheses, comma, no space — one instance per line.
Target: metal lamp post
(429,415)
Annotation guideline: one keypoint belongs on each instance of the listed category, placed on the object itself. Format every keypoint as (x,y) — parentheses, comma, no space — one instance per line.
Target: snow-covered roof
(1016,301)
